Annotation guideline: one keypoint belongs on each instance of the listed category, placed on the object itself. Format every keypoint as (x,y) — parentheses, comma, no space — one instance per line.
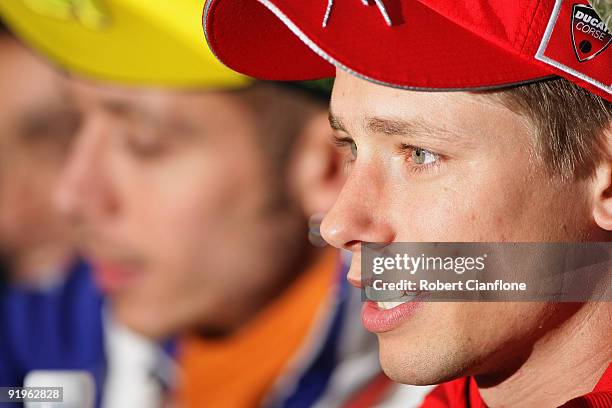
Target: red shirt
(463,393)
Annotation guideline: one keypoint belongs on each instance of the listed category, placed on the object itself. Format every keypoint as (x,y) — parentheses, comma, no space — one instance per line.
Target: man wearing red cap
(504,150)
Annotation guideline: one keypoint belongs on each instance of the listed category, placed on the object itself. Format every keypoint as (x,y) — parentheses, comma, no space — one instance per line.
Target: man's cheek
(440,220)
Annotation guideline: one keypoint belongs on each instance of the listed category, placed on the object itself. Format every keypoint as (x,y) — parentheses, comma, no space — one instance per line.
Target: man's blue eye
(354,149)
(422,156)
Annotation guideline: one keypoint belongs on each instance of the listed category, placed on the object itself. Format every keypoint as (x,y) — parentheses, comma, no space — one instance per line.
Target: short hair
(4,30)
(569,124)
(280,112)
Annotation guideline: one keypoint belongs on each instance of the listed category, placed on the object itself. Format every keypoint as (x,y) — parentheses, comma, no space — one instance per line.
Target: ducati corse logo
(589,33)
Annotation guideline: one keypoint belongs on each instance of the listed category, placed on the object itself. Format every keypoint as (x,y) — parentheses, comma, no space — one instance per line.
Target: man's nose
(83,190)
(359,214)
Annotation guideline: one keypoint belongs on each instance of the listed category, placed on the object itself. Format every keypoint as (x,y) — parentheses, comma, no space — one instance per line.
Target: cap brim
(286,40)
(130,42)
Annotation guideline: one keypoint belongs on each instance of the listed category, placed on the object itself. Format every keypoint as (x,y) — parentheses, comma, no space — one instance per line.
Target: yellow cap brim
(131,42)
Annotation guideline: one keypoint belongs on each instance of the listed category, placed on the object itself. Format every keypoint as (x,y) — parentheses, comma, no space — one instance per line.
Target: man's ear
(316,173)
(602,200)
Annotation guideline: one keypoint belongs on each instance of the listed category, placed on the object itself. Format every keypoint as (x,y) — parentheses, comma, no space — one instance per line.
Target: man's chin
(415,364)
(145,322)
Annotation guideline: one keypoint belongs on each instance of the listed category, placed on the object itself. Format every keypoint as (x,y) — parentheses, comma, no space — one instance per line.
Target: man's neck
(564,364)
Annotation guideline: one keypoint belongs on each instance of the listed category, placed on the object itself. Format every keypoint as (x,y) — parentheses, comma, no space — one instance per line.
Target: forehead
(24,77)
(199,114)
(93,95)
(13,53)
(356,100)
(178,108)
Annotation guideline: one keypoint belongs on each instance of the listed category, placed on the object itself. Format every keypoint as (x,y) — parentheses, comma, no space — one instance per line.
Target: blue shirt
(57,329)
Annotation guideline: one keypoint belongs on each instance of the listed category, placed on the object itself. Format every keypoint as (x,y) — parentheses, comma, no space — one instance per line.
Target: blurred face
(448,167)
(37,123)
(172,198)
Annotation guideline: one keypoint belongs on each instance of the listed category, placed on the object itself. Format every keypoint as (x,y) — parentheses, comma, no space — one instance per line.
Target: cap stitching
(520,30)
(530,25)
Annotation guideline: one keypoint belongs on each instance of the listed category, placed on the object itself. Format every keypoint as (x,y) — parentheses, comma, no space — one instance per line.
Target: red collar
(600,397)
(463,393)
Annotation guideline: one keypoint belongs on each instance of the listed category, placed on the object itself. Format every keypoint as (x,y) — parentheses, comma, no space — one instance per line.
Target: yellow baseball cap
(132,42)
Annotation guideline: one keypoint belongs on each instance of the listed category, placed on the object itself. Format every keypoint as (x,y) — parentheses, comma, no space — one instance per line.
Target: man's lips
(379,320)
(112,277)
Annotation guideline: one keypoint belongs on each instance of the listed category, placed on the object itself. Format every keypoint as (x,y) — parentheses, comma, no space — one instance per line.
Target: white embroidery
(383,11)
(379,4)
(321,53)
(330,4)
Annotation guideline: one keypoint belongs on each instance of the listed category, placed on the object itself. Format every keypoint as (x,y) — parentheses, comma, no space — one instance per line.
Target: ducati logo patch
(576,42)
(589,35)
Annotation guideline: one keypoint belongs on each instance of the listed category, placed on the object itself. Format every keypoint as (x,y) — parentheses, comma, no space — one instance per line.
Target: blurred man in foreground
(191,227)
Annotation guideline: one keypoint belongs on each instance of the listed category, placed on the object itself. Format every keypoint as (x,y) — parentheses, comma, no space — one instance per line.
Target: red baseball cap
(414,44)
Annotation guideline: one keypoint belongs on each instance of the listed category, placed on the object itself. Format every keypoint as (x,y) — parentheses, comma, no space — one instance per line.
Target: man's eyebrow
(47,119)
(335,122)
(122,108)
(420,130)
(129,110)
(397,127)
